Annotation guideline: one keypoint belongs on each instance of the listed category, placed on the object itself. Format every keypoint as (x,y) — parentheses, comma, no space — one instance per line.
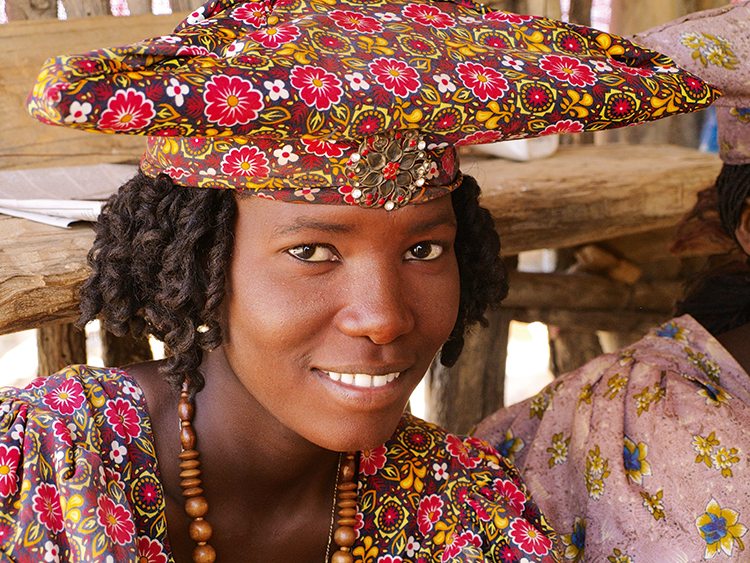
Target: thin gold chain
(333,509)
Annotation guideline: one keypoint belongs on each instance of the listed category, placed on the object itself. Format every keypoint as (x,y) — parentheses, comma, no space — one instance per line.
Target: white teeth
(363,379)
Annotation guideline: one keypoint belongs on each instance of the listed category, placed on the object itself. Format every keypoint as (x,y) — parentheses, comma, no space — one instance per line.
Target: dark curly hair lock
(162,252)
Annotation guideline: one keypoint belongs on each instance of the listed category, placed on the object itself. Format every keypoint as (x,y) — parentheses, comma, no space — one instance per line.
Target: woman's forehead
(275,218)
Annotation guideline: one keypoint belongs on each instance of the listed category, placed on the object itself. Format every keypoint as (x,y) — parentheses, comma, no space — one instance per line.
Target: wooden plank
(41,269)
(589,193)
(24,47)
(581,292)
(572,198)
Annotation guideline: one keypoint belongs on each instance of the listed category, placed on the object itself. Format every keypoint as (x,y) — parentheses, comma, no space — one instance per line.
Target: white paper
(60,196)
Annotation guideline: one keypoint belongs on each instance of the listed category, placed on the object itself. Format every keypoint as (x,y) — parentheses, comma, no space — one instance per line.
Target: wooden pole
(59,346)
(460,396)
(118,351)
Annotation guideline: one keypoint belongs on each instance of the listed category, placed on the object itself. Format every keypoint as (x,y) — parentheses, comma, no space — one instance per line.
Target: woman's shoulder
(76,444)
(450,494)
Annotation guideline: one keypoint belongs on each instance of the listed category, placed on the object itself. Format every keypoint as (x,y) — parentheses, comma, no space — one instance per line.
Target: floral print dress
(641,455)
(79,482)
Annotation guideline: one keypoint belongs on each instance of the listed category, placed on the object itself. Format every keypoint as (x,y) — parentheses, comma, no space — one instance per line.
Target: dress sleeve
(62,496)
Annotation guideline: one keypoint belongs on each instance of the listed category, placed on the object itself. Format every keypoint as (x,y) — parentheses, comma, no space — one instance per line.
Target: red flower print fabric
(275,74)
(424,497)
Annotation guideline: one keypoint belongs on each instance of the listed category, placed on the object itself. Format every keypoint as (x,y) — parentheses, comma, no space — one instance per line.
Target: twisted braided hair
(161,257)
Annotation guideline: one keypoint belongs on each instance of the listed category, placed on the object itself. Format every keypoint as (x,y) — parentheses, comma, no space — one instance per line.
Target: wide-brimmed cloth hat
(347,101)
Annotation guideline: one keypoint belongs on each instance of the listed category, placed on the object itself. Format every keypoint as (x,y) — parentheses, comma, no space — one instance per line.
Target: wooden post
(17,10)
(118,351)
(59,346)
(459,397)
(86,8)
(570,348)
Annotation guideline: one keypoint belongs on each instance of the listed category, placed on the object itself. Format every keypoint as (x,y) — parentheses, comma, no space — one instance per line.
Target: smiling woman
(296,333)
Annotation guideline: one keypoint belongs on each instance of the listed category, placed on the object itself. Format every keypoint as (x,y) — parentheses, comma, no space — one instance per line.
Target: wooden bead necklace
(196,505)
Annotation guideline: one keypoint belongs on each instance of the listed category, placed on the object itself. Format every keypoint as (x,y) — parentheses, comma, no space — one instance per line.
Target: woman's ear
(743,229)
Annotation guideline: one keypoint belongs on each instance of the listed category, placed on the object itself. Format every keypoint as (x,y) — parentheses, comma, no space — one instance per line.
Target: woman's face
(334,313)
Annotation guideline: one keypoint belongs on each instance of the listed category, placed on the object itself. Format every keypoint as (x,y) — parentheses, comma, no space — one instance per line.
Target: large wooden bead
(348,470)
(188,454)
(187,438)
(347,512)
(344,536)
(200,531)
(186,410)
(347,486)
(344,495)
(342,557)
(196,507)
(349,503)
(204,554)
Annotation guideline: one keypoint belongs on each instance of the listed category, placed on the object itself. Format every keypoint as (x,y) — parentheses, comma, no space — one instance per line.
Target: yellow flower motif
(646,398)
(654,503)
(539,404)
(711,49)
(575,541)
(626,356)
(619,557)
(586,394)
(510,446)
(721,529)
(596,472)
(616,384)
(634,459)
(673,331)
(707,366)
(703,447)
(715,396)
(559,450)
(724,459)
(692,40)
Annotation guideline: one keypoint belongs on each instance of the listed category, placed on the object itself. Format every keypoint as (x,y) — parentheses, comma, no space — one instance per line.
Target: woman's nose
(377,306)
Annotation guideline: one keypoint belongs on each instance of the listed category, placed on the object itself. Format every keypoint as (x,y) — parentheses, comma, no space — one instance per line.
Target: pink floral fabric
(642,455)
(79,482)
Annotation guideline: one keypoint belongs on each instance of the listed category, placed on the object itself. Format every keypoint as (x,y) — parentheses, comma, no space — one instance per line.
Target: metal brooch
(388,169)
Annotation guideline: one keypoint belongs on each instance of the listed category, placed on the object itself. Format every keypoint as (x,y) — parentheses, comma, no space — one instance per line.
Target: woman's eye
(424,251)
(313,253)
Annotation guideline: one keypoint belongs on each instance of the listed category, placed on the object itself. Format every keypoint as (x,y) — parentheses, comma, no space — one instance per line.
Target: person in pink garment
(643,455)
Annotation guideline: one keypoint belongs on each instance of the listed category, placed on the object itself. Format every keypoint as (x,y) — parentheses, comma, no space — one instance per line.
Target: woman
(641,455)
(298,332)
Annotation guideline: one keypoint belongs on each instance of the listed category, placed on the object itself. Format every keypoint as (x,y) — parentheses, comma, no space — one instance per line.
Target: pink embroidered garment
(640,456)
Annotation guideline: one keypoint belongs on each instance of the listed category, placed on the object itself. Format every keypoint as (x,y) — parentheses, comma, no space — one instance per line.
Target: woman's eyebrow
(308,223)
(444,218)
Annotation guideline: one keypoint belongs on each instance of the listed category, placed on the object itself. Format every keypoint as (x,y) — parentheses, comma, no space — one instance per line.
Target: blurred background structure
(585,231)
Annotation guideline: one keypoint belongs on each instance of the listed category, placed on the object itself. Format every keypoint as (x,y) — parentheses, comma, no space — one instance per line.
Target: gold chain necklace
(196,505)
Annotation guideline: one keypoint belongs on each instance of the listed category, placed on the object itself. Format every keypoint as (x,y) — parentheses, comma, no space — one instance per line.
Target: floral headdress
(352,101)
